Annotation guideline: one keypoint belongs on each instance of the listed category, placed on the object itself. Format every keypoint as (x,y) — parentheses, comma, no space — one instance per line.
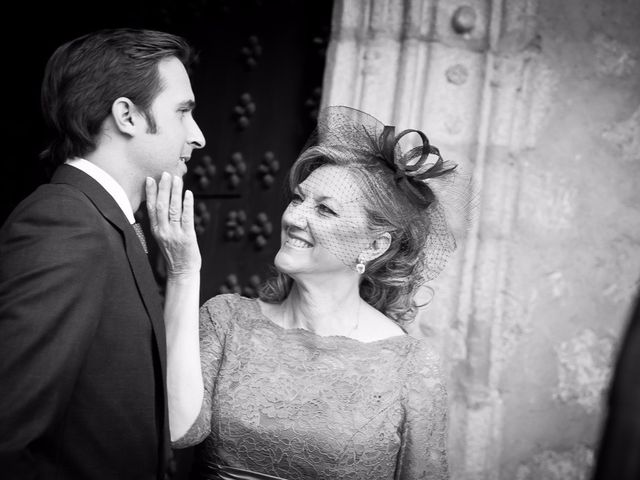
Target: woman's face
(324,227)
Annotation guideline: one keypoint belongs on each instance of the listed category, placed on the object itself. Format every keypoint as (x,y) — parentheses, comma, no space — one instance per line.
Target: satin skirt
(222,472)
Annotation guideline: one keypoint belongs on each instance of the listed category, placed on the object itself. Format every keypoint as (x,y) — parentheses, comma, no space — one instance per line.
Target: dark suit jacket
(618,455)
(82,340)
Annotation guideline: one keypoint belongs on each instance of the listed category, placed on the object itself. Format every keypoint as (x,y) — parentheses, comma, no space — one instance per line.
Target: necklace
(355,327)
(348,333)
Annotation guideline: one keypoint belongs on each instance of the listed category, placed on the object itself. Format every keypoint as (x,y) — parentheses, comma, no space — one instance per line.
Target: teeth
(298,243)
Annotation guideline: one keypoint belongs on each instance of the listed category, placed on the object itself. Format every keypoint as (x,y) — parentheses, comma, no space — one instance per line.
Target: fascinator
(430,186)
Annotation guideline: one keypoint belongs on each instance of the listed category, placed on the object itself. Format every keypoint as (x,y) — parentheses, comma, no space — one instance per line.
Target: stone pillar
(473,75)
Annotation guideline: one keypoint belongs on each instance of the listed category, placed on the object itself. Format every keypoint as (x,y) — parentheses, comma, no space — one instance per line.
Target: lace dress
(287,403)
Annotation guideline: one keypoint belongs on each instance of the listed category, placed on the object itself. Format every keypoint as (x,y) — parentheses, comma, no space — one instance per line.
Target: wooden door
(257,86)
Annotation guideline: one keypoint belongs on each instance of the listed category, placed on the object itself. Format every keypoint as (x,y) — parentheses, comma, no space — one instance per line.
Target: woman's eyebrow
(326,197)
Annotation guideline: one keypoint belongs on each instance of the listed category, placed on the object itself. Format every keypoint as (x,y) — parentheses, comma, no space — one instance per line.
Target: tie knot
(138,229)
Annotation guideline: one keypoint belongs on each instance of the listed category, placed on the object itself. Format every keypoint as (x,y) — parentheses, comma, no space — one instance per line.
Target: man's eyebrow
(187,105)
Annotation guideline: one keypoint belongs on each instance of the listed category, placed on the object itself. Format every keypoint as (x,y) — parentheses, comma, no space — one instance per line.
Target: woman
(317,378)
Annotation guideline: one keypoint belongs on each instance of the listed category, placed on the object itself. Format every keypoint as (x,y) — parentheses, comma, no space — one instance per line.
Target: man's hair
(86,75)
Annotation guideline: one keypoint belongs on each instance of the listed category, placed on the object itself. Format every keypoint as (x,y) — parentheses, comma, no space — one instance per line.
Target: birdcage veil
(433,188)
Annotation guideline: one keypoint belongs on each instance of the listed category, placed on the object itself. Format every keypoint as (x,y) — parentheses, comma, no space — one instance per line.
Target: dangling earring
(360,266)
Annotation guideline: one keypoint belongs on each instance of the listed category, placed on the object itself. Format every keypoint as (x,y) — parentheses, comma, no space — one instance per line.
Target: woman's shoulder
(225,306)
(424,360)
(375,325)
(226,300)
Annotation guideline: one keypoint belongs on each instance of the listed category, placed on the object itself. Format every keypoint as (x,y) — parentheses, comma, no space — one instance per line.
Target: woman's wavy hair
(390,281)
(86,75)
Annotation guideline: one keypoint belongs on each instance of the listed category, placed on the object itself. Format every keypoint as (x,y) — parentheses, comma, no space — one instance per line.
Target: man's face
(177,134)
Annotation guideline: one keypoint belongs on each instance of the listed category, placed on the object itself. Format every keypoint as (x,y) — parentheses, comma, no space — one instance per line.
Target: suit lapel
(138,260)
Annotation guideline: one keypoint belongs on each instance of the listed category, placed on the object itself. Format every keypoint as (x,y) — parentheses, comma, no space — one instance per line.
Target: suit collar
(109,183)
(105,203)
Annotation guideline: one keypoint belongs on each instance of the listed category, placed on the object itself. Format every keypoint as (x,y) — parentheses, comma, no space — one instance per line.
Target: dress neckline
(259,314)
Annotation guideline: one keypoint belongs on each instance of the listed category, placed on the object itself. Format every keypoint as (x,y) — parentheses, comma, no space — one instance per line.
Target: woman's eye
(326,210)
(296,199)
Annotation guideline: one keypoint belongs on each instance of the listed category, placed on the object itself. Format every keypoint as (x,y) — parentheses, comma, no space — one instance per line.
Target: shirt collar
(107,182)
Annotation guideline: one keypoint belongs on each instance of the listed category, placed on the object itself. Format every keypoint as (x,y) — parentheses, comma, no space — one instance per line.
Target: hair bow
(411,173)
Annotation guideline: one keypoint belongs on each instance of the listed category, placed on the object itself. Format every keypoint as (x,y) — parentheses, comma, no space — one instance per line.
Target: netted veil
(433,187)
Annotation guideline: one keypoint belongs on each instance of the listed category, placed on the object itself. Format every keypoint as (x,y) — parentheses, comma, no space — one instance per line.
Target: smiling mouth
(297,243)
(185,159)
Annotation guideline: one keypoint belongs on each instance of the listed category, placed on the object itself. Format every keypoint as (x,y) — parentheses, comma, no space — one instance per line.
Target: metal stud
(464,19)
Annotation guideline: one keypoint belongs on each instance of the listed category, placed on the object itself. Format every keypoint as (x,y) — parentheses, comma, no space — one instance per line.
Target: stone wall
(540,100)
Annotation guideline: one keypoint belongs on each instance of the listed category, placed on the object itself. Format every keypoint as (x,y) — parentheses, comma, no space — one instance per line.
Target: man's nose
(196,138)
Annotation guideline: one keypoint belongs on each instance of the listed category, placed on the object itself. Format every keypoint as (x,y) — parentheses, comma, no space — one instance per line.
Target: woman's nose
(295,216)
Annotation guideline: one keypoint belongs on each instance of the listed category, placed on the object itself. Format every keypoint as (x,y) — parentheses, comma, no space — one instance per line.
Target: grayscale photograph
(321,240)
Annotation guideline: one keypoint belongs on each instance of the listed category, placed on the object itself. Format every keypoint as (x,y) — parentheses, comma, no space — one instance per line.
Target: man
(82,339)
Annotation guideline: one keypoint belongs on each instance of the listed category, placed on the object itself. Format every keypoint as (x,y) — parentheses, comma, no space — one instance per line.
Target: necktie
(138,228)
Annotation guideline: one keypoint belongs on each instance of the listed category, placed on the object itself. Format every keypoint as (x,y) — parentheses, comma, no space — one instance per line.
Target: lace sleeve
(214,321)
(424,433)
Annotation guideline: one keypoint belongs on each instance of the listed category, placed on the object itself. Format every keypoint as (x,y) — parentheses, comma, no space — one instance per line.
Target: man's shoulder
(57,192)
(53,200)
(56,212)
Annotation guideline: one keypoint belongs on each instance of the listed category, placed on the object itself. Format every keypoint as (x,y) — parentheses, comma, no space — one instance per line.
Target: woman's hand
(172,225)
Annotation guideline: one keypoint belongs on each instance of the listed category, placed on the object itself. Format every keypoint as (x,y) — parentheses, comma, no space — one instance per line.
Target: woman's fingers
(172,221)
(187,211)
(152,193)
(175,203)
(168,212)
(163,199)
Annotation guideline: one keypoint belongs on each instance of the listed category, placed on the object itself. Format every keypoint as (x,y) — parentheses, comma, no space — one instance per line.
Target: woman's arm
(423,451)
(173,227)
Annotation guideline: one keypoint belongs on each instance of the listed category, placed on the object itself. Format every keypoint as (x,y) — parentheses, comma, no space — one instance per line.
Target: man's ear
(377,247)
(125,115)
